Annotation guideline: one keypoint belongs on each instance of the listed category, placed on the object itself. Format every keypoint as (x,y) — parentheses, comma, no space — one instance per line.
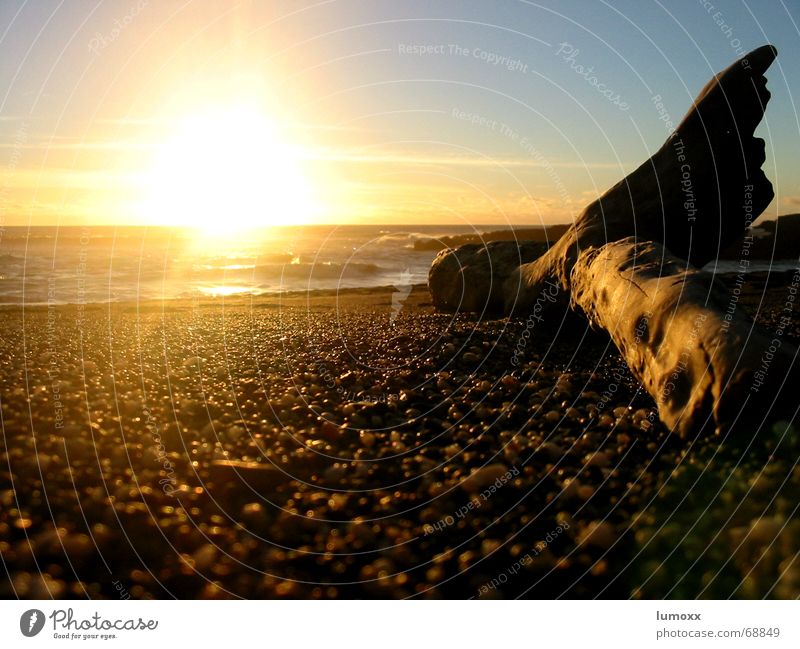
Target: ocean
(68,265)
(93,264)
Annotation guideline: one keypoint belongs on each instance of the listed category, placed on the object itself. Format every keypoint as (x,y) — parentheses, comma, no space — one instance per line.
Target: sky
(361,111)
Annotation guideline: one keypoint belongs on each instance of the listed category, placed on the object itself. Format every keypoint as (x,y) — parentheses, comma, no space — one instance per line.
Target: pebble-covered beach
(359,445)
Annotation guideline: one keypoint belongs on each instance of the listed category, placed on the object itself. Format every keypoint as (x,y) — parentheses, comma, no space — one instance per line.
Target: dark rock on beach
(472,278)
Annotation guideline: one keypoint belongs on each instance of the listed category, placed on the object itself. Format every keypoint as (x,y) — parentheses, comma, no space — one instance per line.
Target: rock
(471,358)
(764,531)
(598,459)
(471,278)
(193,363)
(330,431)
(600,534)
(241,475)
(481,478)
(236,432)
(549,451)
(204,557)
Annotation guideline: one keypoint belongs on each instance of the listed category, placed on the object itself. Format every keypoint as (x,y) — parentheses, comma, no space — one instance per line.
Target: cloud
(399,158)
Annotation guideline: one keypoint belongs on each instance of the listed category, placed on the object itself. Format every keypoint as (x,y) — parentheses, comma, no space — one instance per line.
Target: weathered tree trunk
(629,262)
(703,363)
(690,195)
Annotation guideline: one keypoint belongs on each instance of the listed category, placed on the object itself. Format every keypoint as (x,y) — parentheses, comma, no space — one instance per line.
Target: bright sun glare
(225,171)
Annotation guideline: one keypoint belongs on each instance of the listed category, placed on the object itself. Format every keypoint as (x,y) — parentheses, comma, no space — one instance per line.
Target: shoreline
(233,300)
(754,279)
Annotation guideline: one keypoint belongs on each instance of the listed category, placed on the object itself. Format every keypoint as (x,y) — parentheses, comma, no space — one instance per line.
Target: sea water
(101,263)
(49,265)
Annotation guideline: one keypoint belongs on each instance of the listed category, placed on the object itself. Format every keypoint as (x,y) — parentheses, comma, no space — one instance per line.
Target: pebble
(764,530)
(205,557)
(193,363)
(481,478)
(550,451)
(599,459)
(600,534)
(239,475)
(236,432)
(564,383)
(328,519)
(330,431)
(552,417)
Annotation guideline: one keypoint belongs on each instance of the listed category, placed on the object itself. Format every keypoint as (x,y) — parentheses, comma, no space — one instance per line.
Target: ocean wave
(409,239)
(299,270)
(323,270)
(8,258)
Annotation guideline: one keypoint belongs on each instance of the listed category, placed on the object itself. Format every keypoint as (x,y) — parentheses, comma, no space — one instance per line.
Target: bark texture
(702,362)
(630,262)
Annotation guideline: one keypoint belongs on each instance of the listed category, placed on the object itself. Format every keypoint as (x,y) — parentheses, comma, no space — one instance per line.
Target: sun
(227,170)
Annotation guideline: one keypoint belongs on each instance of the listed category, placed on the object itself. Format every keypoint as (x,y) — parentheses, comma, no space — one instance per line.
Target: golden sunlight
(227,170)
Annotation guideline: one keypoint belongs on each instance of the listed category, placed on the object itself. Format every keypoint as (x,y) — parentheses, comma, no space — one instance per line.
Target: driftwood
(700,361)
(472,277)
(630,260)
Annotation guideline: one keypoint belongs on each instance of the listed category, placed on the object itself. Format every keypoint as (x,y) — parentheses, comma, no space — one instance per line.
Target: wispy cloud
(71,144)
(28,178)
(445,160)
(16,118)
(340,155)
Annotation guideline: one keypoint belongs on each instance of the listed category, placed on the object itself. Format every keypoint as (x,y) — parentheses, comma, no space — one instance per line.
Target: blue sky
(452,111)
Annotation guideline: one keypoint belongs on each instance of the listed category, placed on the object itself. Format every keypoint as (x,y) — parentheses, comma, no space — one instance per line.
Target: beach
(356,443)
